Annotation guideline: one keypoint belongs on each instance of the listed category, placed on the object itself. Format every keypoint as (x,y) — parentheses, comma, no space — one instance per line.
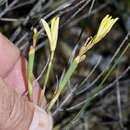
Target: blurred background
(79,19)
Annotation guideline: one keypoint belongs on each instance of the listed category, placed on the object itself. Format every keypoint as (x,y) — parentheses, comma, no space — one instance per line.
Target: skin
(15,109)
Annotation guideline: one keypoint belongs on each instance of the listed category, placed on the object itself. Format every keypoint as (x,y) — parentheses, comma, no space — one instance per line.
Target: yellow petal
(105,26)
(54,32)
(47,29)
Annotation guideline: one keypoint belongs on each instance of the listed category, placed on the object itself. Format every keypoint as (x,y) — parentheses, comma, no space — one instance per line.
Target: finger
(19,114)
(13,68)
(41,120)
(9,55)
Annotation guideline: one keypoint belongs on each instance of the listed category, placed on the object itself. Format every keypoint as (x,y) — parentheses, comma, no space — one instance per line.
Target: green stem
(31,63)
(63,83)
(46,78)
(48,71)
(30,71)
(100,86)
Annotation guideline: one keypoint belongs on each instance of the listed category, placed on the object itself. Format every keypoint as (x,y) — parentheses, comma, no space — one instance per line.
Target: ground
(79,19)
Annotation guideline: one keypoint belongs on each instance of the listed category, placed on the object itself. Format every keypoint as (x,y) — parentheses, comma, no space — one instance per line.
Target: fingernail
(41,120)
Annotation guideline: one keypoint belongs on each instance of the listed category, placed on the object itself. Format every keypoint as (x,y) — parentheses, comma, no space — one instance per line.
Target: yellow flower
(52,32)
(105,26)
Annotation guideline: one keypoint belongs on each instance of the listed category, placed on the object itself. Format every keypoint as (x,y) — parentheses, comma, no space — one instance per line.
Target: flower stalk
(104,28)
(52,33)
(30,64)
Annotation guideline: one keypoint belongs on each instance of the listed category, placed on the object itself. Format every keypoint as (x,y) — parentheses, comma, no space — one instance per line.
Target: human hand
(16,112)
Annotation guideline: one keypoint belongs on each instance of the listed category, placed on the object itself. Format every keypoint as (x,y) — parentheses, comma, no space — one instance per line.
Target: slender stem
(30,64)
(63,83)
(30,71)
(100,86)
(46,78)
(48,70)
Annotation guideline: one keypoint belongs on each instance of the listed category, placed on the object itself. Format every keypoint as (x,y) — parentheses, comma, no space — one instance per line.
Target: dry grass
(79,19)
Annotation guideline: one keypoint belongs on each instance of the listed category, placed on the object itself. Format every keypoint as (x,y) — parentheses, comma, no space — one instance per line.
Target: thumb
(20,114)
(13,68)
